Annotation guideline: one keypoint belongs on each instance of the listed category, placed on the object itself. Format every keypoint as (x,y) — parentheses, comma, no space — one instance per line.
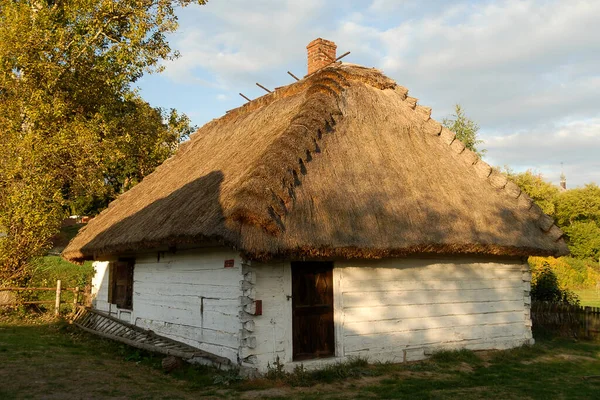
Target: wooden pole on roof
(262,87)
(293,76)
(342,56)
(245,97)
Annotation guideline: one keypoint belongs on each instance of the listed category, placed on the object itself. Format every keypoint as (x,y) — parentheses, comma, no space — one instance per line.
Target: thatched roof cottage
(330,218)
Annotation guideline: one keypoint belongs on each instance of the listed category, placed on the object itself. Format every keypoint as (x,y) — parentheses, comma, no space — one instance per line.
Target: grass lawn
(54,360)
(589,297)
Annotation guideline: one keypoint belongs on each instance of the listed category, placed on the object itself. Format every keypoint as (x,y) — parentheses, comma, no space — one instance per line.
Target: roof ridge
(347,71)
(288,155)
(493,176)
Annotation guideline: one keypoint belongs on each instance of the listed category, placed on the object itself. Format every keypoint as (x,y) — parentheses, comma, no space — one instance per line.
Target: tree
(543,193)
(67,110)
(578,214)
(584,239)
(579,204)
(143,137)
(466,130)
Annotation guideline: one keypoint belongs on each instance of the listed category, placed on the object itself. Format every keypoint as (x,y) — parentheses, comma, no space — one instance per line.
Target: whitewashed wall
(100,282)
(188,296)
(388,310)
(401,309)
(273,329)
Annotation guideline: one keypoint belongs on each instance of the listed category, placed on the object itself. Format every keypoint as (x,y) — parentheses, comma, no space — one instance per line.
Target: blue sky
(527,71)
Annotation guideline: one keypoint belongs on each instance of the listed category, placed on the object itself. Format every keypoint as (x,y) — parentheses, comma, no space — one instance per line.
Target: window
(121,284)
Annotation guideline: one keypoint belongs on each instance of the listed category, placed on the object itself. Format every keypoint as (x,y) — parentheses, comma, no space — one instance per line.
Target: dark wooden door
(312,305)
(121,284)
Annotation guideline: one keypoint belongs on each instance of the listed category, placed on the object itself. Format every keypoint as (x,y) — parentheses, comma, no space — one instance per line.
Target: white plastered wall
(401,309)
(189,296)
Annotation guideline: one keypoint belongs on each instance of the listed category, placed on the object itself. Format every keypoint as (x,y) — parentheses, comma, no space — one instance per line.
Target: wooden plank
(57,303)
(185,332)
(384,312)
(432,336)
(431,273)
(218,277)
(173,352)
(177,291)
(395,354)
(209,319)
(361,299)
(371,285)
(24,289)
(410,324)
(210,256)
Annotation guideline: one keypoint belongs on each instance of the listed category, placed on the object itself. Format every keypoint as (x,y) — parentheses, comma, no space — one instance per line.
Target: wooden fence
(567,319)
(57,301)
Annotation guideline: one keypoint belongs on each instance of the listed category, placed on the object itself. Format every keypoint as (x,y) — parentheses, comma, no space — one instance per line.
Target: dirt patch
(559,357)
(423,374)
(464,367)
(343,387)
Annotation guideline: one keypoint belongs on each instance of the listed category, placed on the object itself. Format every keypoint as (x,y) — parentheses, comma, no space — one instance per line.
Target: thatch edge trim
(78,256)
(467,249)
(425,249)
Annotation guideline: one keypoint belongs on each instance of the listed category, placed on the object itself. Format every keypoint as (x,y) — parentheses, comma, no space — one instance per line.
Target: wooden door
(312,310)
(121,284)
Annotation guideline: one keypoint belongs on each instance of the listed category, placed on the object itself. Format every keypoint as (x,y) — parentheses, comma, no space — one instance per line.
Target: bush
(545,287)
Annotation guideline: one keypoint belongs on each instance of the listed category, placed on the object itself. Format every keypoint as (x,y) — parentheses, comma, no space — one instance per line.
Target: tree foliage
(579,205)
(584,239)
(577,213)
(545,287)
(543,193)
(465,128)
(571,272)
(71,126)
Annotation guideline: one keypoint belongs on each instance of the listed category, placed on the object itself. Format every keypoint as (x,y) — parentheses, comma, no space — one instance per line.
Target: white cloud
(574,144)
(236,42)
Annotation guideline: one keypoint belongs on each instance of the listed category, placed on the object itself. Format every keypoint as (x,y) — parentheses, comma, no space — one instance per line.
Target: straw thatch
(340,164)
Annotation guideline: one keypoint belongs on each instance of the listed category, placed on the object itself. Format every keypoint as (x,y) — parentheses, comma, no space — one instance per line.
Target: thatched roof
(340,164)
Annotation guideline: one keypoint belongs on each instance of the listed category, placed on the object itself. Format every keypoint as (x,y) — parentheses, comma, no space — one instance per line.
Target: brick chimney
(321,52)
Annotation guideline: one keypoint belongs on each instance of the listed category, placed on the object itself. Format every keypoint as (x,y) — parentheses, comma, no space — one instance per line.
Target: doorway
(312,310)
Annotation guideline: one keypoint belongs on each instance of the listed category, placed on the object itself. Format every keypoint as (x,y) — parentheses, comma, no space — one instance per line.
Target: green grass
(49,269)
(55,360)
(44,359)
(589,297)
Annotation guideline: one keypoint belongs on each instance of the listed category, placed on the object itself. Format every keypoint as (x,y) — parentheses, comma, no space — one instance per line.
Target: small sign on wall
(258,307)
(229,263)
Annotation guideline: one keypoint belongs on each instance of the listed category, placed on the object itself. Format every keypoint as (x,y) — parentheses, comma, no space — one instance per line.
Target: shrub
(545,287)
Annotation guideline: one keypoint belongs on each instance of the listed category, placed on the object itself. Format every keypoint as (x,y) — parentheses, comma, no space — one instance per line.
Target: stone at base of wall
(244,371)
